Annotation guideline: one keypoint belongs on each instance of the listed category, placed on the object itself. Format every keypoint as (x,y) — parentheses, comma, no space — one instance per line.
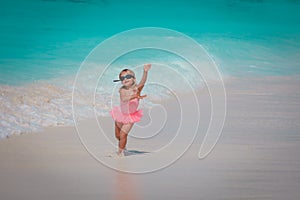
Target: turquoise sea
(44,42)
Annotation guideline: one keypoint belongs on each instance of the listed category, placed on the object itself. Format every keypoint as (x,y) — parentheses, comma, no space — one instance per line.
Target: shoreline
(227,82)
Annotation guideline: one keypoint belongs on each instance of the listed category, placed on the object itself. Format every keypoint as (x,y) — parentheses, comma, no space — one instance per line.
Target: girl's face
(128,81)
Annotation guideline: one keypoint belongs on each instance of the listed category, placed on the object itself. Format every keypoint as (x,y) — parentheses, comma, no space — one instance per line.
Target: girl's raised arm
(144,77)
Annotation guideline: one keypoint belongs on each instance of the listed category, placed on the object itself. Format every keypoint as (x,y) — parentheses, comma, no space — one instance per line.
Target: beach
(196,140)
(256,157)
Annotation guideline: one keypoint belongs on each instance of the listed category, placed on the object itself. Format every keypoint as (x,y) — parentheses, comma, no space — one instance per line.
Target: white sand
(257,156)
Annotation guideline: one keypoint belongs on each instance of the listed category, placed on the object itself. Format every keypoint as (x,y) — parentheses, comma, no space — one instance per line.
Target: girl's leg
(123,136)
(118,126)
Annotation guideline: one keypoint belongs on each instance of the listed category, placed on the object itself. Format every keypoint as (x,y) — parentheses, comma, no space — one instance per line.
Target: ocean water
(44,42)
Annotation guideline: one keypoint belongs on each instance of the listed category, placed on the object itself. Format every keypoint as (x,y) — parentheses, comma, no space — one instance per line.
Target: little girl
(127,114)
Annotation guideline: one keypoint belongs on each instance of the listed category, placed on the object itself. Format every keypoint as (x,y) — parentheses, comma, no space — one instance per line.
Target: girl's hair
(126,70)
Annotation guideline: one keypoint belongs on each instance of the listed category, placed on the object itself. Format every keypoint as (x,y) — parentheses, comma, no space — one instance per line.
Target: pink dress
(127,112)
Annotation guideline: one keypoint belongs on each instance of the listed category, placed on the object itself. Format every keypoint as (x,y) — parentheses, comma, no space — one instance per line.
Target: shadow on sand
(134,152)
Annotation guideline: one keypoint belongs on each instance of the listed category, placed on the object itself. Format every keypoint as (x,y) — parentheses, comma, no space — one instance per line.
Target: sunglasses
(128,76)
(122,78)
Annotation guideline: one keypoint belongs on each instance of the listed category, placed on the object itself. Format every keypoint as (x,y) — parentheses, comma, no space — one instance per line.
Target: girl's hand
(137,96)
(147,67)
(141,97)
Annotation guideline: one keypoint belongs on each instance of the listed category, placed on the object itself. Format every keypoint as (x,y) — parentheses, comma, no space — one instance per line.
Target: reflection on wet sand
(126,187)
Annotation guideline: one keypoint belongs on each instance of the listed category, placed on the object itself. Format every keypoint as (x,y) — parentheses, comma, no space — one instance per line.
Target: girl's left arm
(144,77)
